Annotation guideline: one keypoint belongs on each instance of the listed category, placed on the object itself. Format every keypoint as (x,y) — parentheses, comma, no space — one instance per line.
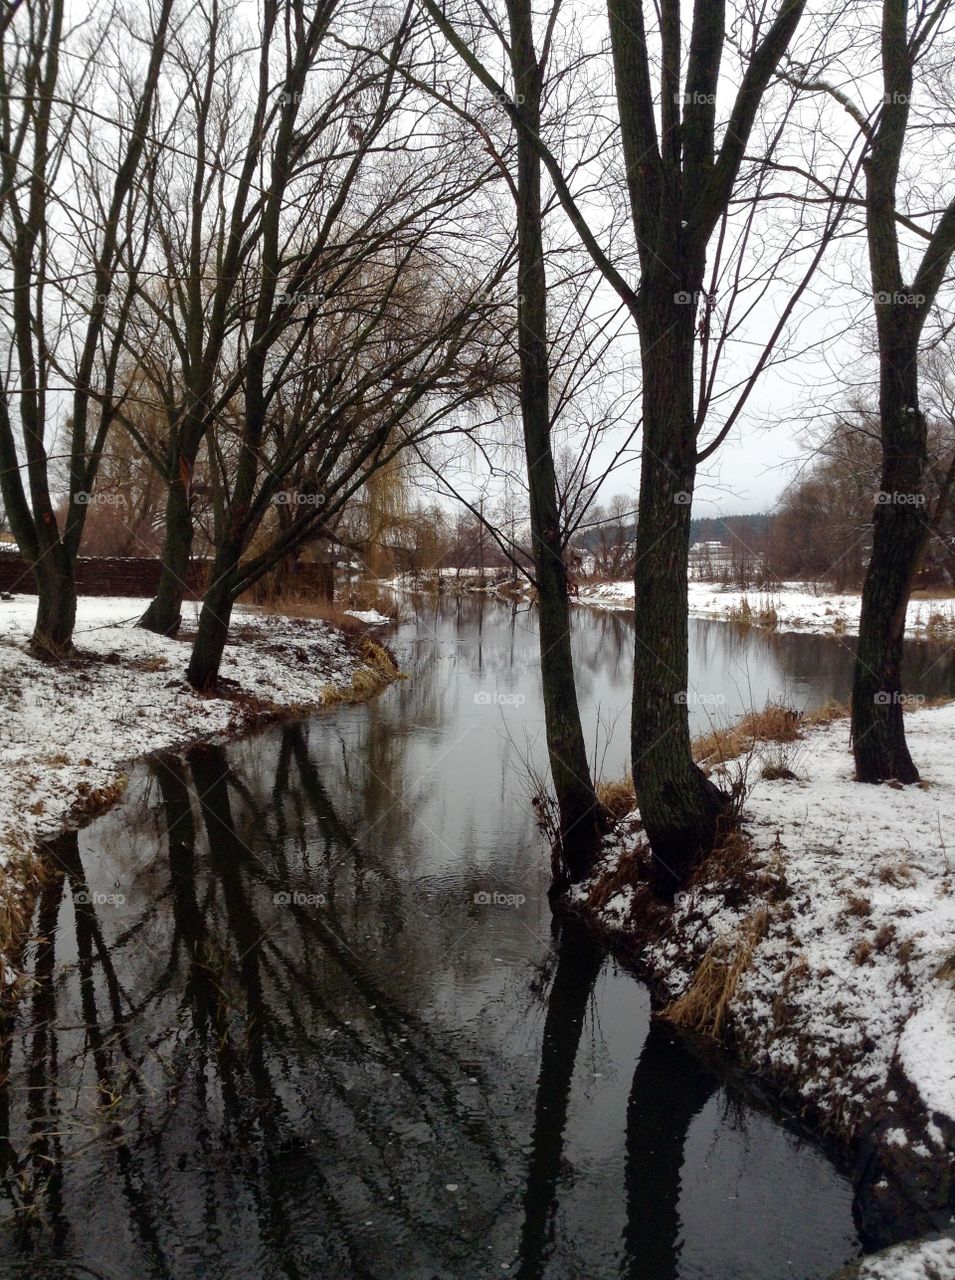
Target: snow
(927,1051)
(795,606)
(854,971)
(66,731)
(369,616)
(928,1260)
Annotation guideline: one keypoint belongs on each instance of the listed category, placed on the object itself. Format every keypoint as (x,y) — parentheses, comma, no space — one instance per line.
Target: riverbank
(819,949)
(68,731)
(794,606)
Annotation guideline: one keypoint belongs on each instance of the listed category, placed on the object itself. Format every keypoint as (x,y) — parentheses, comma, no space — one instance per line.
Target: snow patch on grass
(66,731)
(794,606)
(928,1260)
(852,974)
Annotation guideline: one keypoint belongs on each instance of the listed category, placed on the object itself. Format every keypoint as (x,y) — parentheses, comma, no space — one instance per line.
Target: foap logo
(505,100)
(288,498)
(900,298)
(692,298)
(492,898)
(492,698)
(695,99)
(682,498)
(289,298)
(298,898)
(84,499)
(886,499)
(693,698)
(885,698)
(86,898)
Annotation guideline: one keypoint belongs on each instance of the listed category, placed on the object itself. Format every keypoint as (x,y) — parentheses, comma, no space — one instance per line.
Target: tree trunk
(164,614)
(900,532)
(680,808)
(52,637)
(209,644)
(580,811)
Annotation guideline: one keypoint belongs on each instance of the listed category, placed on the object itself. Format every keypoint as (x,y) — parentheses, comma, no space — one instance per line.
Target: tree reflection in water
(247,1060)
(269,1030)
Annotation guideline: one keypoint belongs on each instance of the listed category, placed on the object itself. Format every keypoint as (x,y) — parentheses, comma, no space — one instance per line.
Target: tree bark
(901,527)
(579,809)
(52,637)
(680,808)
(899,535)
(211,636)
(164,613)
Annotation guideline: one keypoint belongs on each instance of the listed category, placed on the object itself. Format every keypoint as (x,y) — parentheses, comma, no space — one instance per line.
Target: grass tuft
(704,1005)
(617,796)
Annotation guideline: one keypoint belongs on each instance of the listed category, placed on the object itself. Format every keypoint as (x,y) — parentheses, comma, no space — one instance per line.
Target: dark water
(297,1011)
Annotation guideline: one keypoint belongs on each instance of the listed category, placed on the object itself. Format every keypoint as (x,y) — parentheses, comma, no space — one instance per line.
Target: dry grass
(627,870)
(21,878)
(91,801)
(149,662)
(857,906)
(378,669)
(775,723)
(896,874)
(363,595)
(728,865)
(753,616)
(368,595)
(329,611)
(704,1005)
(831,710)
(617,796)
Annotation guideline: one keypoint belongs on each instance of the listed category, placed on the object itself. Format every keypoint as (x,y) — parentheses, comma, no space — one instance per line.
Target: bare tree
(72,180)
(900,528)
(368,334)
(688,174)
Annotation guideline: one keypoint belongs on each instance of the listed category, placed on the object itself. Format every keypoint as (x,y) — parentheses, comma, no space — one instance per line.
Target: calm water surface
(298,1010)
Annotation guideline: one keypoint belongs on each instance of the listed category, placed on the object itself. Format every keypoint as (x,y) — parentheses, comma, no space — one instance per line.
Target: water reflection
(296,1010)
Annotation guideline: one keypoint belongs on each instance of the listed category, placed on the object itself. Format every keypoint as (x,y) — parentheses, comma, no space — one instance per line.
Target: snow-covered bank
(793,607)
(824,953)
(66,731)
(932,1259)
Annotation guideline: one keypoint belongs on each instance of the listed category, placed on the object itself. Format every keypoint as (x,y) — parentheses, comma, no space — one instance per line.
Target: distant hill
(752,530)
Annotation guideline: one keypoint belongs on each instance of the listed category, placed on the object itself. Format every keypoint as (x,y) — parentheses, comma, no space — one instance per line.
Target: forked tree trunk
(679,806)
(900,532)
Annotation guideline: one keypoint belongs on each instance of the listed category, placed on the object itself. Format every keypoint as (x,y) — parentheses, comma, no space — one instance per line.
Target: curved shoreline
(71,731)
(814,954)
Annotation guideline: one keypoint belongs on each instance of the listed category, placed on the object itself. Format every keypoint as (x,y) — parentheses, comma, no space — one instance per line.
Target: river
(298,1010)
